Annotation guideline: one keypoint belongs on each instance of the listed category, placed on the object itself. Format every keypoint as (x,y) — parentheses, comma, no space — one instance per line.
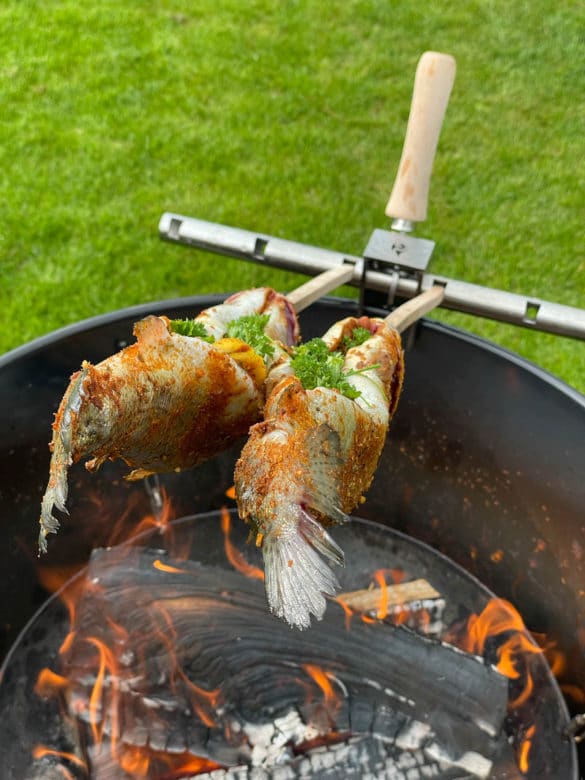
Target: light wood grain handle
(433,81)
(411,311)
(315,288)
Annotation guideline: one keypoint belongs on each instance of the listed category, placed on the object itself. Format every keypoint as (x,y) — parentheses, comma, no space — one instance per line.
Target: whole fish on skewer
(184,391)
(311,460)
(314,455)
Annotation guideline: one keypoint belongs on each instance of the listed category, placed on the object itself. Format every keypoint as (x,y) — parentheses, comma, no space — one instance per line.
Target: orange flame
(524,751)
(102,710)
(331,701)
(204,702)
(320,677)
(499,617)
(150,522)
(188,765)
(53,578)
(49,684)
(40,751)
(348,611)
(574,692)
(501,620)
(140,761)
(135,761)
(107,664)
(383,604)
(158,564)
(234,556)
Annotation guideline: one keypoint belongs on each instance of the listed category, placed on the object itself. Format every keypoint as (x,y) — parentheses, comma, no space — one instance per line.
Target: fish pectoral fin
(318,537)
(297,578)
(138,474)
(324,468)
(95,463)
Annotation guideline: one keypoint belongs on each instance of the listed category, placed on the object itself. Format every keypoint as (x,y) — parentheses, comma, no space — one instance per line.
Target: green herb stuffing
(316,366)
(358,337)
(250,328)
(191,328)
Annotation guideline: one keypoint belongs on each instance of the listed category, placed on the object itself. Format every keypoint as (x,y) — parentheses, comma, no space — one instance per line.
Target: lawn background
(288,119)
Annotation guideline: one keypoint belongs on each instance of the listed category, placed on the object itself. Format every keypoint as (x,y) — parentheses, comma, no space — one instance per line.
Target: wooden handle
(433,81)
(320,285)
(404,316)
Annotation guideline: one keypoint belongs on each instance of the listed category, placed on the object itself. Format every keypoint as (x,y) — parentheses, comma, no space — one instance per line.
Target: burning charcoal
(54,764)
(353,759)
(362,716)
(387,723)
(250,688)
(55,769)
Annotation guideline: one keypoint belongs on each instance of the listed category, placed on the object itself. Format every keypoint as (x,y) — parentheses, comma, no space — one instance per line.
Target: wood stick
(403,593)
(320,285)
(404,316)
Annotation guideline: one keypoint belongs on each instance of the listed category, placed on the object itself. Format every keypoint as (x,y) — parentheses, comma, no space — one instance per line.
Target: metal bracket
(399,251)
(398,256)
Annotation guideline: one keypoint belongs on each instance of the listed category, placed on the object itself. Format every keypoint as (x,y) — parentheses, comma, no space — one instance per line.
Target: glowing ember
(141,762)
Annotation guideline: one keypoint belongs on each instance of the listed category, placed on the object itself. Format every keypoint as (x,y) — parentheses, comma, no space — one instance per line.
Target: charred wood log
(200,660)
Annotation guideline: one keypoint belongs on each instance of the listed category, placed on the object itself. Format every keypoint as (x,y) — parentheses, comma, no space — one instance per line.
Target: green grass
(286,118)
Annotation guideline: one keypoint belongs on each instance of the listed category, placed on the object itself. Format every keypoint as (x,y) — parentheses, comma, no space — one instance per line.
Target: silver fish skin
(308,464)
(166,402)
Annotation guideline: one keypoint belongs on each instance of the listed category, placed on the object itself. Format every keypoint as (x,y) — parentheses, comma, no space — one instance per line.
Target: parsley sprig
(250,328)
(191,328)
(358,336)
(316,366)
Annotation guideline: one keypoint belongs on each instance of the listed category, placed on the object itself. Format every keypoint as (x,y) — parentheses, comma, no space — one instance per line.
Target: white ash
(270,742)
(477,765)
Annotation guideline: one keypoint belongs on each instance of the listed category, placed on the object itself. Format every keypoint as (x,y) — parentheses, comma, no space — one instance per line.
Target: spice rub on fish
(314,455)
(182,393)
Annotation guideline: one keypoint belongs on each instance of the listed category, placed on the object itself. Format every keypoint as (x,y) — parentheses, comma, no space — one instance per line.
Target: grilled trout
(169,401)
(309,462)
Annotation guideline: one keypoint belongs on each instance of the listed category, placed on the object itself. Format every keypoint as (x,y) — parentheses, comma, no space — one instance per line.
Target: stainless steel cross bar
(526,311)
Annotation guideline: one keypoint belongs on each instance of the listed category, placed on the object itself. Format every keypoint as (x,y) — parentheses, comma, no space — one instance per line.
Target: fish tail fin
(297,577)
(56,492)
(63,444)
